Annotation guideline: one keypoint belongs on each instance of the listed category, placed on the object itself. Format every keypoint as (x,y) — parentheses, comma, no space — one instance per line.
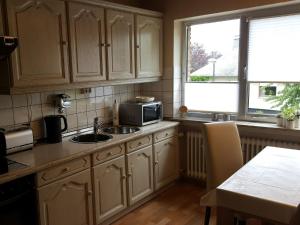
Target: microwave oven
(140,114)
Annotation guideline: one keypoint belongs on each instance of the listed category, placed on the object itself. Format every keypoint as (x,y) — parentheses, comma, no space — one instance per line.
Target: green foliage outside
(288,100)
(201,78)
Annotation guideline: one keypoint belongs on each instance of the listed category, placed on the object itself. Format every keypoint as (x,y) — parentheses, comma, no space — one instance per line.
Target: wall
(31,108)
(170,87)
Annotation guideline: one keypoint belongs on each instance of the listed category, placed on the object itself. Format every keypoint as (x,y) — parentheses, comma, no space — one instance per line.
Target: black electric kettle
(53,128)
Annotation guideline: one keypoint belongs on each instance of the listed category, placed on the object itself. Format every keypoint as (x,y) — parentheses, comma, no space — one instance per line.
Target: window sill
(238,122)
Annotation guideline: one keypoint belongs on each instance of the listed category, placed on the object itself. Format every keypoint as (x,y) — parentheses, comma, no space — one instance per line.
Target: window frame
(244,85)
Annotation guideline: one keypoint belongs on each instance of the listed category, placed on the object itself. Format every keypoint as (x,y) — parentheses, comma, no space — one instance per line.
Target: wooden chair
(223,155)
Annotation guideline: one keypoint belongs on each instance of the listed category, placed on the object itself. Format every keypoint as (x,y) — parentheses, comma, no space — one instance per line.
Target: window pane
(274,49)
(213,51)
(218,97)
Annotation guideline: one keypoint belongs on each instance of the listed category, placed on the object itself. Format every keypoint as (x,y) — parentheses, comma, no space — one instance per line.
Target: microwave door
(151,113)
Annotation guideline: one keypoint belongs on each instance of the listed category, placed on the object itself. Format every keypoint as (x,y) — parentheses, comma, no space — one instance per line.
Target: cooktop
(7,165)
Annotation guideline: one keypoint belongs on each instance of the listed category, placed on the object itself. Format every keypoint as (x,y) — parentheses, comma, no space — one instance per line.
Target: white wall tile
(108,90)
(21,115)
(99,103)
(19,100)
(6,117)
(35,112)
(81,105)
(5,102)
(82,120)
(47,109)
(34,99)
(72,122)
(99,91)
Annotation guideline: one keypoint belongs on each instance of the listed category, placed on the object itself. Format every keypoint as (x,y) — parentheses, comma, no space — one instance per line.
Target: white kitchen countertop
(43,156)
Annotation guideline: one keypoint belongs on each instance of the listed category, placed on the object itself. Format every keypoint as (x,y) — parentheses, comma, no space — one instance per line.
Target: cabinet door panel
(120,45)
(87,42)
(42,56)
(110,188)
(140,174)
(149,46)
(67,202)
(166,165)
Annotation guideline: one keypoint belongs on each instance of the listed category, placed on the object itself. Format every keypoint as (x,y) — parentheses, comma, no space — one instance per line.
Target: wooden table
(267,187)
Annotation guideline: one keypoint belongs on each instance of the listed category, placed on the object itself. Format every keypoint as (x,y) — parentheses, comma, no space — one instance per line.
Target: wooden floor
(179,205)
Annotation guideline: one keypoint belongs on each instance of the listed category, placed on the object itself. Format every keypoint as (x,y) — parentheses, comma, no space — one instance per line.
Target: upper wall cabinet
(87,38)
(148,46)
(120,45)
(42,55)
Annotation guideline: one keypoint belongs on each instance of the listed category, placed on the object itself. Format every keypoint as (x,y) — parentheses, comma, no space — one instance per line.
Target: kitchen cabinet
(120,45)
(165,161)
(42,55)
(148,46)
(110,188)
(87,41)
(140,174)
(67,201)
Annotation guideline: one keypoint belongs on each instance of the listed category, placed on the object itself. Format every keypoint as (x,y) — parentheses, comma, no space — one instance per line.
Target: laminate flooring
(179,205)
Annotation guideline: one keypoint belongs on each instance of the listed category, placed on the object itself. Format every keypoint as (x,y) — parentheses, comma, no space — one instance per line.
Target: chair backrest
(223,153)
(296,218)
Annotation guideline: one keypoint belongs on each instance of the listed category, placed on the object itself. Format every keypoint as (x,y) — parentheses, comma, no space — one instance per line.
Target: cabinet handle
(124,177)
(64,43)
(167,134)
(107,45)
(137,46)
(90,192)
(109,154)
(66,169)
(156,162)
(129,174)
(102,44)
(140,143)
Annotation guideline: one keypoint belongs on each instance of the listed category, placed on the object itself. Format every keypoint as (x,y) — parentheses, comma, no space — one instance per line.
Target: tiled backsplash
(31,108)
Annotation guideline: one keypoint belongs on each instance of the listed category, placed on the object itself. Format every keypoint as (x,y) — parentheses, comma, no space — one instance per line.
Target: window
(212,81)
(242,64)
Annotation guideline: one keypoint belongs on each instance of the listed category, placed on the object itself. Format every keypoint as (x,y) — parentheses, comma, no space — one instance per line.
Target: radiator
(196,163)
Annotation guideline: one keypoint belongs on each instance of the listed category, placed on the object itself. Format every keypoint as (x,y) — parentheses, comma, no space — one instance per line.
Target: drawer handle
(167,134)
(90,192)
(129,174)
(124,177)
(140,143)
(156,162)
(66,169)
(109,154)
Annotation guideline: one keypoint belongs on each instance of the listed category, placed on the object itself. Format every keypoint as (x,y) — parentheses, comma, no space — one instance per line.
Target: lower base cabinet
(110,188)
(165,162)
(140,174)
(67,201)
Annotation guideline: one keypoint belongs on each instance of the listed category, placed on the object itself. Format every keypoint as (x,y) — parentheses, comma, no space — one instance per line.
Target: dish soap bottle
(115,113)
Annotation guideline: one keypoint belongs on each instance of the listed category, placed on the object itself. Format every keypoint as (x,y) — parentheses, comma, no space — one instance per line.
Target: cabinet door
(148,46)
(140,174)
(86,24)
(67,202)
(110,188)
(165,161)
(120,45)
(42,55)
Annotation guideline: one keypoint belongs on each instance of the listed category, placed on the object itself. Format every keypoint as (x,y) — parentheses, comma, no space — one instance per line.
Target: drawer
(108,154)
(139,143)
(164,134)
(63,170)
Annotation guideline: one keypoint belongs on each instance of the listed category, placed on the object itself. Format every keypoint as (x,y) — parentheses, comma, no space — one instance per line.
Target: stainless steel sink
(120,130)
(91,138)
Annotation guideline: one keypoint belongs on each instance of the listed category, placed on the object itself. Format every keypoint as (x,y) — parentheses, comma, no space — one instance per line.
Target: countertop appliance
(53,128)
(18,202)
(140,114)
(12,141)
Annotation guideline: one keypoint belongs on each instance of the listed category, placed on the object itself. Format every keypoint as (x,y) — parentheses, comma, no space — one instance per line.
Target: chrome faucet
(98,125)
